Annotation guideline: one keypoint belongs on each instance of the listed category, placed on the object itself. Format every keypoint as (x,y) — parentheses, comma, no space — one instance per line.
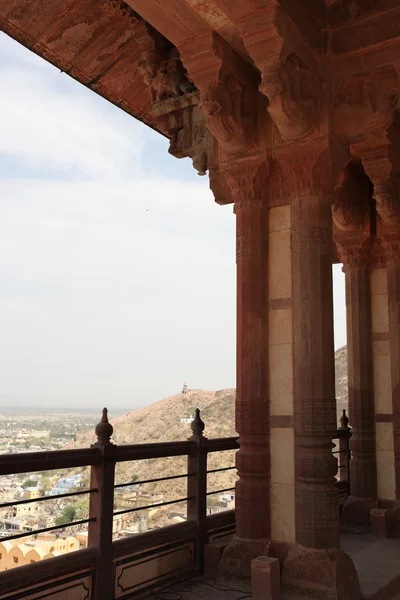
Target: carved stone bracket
(289,71)
(187,129)
(365,106)
(351,216)
(378,166)
(229,91)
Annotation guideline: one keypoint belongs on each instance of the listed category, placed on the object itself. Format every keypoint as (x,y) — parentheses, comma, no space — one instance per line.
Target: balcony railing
(119,569)
(116,569)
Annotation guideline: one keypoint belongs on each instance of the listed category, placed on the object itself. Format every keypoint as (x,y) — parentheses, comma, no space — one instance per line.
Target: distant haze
(117,268)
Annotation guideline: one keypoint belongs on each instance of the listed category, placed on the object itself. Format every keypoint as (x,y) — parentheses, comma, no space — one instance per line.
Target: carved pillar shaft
(393,282)
(360,381)
(317,510)
(252,403)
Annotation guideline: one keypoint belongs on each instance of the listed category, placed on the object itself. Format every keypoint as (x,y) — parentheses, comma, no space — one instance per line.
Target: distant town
(34,430)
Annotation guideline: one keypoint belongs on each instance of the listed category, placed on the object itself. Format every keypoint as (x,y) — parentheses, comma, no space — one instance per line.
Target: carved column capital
(390,242)
(247,180)
(353,251)
(312,170)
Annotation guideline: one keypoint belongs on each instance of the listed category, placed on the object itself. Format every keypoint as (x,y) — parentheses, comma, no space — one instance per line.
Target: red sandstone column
(247,183)
(317,509)
(352,218)
(360,380)
(392,247)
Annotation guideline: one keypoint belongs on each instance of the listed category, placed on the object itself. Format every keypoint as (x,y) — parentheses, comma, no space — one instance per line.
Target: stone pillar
(363,473)
(382,165)
(247,181)
(281,378)
(360,379)
(351,213)
(317,511)
(392,247)
(382,384)
(316,564)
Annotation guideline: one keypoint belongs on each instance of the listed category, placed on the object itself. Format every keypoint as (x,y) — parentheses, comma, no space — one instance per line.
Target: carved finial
(344,421)
(197,426)
(104,430)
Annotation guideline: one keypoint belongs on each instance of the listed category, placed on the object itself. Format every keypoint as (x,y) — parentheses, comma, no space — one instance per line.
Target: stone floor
(377,562)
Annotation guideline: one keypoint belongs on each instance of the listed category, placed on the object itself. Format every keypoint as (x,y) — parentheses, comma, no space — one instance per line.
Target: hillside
(160,422)
(341,380)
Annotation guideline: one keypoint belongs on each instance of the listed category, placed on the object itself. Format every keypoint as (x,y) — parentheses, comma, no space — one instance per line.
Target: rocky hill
(341,379)
(161,422)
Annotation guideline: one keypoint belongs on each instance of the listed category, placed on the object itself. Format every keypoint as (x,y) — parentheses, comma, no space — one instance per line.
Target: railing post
(344,434)
(101,507)
(197,488)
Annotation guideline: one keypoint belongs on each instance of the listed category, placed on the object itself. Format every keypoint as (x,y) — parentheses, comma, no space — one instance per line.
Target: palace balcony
(157,561)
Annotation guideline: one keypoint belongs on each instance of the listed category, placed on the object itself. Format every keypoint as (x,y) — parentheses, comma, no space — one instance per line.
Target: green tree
(67,516)
(134,478)
(82,508)
(29,483)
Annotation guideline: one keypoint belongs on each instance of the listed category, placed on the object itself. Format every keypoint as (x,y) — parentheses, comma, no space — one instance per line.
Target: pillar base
(235,566)
(356,515)
(325,574)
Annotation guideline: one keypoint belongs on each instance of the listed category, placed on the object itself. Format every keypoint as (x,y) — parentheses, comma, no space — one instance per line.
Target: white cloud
(117,282)
(118,278)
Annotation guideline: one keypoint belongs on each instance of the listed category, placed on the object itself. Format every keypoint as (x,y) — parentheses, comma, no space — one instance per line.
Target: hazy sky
(117,269)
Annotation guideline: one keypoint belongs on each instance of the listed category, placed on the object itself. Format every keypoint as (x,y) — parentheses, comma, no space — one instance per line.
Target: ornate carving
(165,76)
(351,216)
(378,165)
(390,241)
(292,90)
(229,91)
(247,180)
(288,69)
(219,187)
(365,106)
(312,170)
(321,574)
(350,209)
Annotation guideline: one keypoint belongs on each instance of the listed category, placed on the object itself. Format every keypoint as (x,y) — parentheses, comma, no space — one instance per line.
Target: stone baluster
(101,507)
(197,488)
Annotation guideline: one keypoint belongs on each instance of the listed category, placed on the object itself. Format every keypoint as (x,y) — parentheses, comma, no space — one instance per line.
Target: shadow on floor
(377,561)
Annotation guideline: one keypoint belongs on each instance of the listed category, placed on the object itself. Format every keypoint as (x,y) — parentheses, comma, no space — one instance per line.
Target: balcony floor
(377,561)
